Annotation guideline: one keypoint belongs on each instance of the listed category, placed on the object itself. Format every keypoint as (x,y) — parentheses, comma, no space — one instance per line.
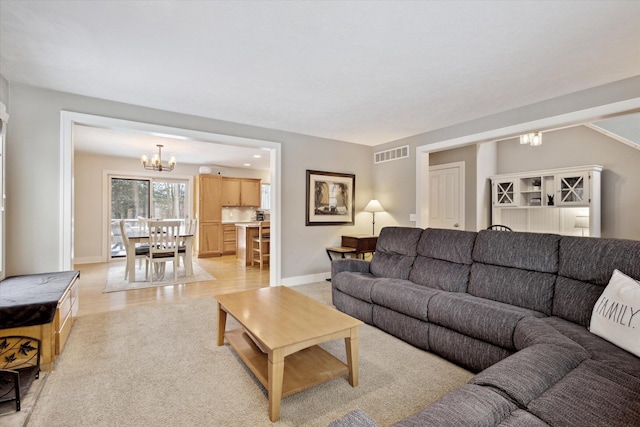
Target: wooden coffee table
(278,340)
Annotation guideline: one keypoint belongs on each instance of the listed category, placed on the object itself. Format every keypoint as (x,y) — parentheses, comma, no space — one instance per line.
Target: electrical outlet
(412,217)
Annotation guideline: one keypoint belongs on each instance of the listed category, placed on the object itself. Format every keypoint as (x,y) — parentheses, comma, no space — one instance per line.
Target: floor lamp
(373,206)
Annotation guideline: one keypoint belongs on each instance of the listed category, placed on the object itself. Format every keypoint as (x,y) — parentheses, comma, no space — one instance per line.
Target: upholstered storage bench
(41,306)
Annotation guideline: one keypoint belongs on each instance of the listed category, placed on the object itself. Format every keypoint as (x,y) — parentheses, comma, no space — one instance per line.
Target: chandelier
(156,161)
(533,138)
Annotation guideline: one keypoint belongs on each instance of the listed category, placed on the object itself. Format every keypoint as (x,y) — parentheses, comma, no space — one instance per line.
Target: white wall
(33,177)
(4,90)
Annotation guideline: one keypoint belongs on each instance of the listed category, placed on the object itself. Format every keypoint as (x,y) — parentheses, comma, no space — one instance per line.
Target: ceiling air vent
(393,154)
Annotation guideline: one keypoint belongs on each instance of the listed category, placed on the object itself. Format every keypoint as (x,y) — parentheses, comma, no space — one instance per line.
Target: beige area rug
(160,365)
(116,281)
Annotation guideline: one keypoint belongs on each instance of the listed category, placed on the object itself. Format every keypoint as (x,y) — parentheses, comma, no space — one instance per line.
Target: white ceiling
(119,143)
(366,72)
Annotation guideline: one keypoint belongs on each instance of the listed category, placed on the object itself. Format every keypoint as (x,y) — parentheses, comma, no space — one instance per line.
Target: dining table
(136,236)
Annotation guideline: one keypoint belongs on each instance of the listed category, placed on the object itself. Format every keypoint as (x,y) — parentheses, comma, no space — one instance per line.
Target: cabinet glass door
(573,189)
(505,193)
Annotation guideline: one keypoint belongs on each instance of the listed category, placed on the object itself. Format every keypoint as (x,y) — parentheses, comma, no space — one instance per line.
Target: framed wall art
(330,198)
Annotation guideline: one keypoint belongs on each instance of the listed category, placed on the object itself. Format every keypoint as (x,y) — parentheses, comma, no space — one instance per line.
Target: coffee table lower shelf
(302,370)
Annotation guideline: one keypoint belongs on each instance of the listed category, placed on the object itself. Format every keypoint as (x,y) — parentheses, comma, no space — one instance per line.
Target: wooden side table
(363,244)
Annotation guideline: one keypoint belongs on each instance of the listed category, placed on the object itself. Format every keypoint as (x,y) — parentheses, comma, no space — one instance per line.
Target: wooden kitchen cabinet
(230,191)
(228,239)
(209,215)
(240,192)
(250,192)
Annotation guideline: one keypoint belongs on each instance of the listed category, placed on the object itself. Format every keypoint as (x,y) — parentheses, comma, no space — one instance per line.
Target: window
(265,197)
(134,198)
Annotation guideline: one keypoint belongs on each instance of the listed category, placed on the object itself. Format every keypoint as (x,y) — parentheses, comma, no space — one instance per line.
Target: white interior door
(446,196)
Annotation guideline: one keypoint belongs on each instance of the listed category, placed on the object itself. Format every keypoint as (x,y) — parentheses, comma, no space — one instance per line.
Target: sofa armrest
(349,264)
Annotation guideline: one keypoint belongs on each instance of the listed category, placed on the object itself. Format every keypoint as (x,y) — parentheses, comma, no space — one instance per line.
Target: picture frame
(330,198)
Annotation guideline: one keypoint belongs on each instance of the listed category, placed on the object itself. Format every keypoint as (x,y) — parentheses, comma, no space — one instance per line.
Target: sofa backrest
(444,259)
(585,268)
(515,268)
(395,252)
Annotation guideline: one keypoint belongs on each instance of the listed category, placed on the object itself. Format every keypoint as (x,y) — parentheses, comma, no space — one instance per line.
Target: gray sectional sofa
(513,307)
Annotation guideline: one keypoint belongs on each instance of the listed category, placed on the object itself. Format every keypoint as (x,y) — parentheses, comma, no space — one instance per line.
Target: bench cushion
(32,299)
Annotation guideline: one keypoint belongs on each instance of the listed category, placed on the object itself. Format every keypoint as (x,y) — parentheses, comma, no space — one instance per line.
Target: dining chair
(190,227)
(163,247)
(260,244)
(143,223)
(141,252)
(19,366)
(499,227)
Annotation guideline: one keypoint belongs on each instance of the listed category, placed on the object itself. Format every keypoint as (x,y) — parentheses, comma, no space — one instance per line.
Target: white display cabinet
(563,201)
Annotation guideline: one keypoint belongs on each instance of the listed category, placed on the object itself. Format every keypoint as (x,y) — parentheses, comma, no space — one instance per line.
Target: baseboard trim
(302,280)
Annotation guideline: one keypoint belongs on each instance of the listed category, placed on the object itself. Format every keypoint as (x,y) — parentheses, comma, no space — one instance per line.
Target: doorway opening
(71,119)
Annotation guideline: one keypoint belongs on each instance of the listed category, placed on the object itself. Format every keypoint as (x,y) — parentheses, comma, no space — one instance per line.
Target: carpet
(160,365)
(116,281)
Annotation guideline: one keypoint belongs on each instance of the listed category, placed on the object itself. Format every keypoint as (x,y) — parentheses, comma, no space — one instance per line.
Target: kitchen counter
(245,232)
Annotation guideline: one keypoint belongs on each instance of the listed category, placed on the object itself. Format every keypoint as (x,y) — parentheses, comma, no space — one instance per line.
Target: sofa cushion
(355,418)
(447,245)
(395,252)
(531,371)
(353,306)
(403,296)
(483,319)
(523,288)
(444,259)
(463,350)
(468,405)
(590,392)
(573,300)
(439,274)
(357,285)
(534,330)
(600,350)
(593,260)
(585,267)
(349,264)
(527,251)
(522,418)
(407,328)
(615,316)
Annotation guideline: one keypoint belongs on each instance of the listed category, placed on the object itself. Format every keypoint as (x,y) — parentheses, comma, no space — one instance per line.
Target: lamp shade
(373,206)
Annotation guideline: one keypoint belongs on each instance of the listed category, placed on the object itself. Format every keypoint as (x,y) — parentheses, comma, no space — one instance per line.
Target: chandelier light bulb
(156,161)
